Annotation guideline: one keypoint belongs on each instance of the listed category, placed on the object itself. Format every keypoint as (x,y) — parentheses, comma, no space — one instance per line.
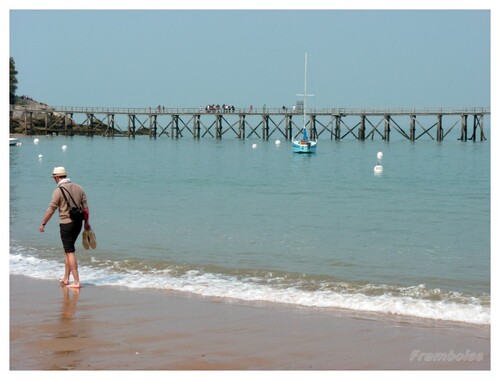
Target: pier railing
(252,110)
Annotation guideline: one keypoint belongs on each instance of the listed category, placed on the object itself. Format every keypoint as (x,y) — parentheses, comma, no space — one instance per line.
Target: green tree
(13,81)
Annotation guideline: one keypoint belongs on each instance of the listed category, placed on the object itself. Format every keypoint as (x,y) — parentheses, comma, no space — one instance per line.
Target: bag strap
(64,195)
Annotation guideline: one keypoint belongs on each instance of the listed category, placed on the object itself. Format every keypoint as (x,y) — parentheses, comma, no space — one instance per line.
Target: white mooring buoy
(379,168)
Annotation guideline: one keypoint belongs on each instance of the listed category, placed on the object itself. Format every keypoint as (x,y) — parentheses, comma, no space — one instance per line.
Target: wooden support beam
(387,127)
(196,126)
(265,126)
(241,127)
(362,128)
(439,129)
(313,133)
(218,126)
(412,126)
(463,129)
(338,121)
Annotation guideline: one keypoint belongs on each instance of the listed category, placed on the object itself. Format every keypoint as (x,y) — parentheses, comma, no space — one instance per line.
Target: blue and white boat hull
(301,146)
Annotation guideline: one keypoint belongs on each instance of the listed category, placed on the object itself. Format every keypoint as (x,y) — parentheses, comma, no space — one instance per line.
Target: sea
(250,221)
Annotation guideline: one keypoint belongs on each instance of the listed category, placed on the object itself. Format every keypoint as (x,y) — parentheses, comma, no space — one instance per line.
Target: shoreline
(104,328)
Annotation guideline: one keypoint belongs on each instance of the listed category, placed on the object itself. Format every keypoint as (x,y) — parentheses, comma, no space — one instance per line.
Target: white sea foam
(410,301)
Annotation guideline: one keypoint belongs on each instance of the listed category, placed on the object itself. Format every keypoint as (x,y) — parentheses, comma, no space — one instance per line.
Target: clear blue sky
(189,58)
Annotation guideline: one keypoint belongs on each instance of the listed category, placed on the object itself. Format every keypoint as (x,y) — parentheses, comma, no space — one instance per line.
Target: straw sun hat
(59,171)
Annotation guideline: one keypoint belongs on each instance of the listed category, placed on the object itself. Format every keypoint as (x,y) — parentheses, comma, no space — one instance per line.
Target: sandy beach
(103,328)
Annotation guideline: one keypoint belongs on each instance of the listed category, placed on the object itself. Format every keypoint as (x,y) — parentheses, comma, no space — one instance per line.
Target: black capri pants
(69,234)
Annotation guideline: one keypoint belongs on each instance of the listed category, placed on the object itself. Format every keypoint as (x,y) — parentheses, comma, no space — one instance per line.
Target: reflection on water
(70,299)
(67,354)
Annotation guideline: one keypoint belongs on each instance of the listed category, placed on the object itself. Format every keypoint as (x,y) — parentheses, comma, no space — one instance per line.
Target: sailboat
(304,145)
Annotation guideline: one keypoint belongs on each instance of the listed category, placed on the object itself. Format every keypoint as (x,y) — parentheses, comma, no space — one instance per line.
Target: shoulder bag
(76,213)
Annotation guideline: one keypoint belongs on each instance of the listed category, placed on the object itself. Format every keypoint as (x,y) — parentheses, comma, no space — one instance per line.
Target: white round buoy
(64,147)
(36,141)
(277,142)
(254,146)
(378,169)
(40,155)
(380,155)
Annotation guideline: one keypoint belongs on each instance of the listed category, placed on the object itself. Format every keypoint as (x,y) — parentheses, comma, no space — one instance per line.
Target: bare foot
(63,281)
(74,285)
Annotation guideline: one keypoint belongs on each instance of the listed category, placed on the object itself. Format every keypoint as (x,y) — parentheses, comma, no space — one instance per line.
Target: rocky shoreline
(29,117)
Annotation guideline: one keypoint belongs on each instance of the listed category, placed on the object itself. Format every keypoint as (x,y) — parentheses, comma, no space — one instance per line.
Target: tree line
(13,82)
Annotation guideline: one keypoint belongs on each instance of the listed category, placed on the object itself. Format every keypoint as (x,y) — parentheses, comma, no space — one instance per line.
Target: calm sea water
(225,219)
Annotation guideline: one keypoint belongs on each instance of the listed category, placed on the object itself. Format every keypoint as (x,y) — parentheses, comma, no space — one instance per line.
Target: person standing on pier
(69,229)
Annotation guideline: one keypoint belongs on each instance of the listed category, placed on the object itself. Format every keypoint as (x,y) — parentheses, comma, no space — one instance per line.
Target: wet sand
(104,328)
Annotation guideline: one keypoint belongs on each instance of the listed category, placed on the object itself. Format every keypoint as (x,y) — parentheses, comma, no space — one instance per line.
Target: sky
(376,58)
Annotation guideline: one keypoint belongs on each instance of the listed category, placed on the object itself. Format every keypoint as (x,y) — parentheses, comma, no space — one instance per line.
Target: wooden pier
(265,123)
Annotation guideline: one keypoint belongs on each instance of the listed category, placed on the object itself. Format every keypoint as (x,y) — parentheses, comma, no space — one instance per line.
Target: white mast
(305,89)
(305,94)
